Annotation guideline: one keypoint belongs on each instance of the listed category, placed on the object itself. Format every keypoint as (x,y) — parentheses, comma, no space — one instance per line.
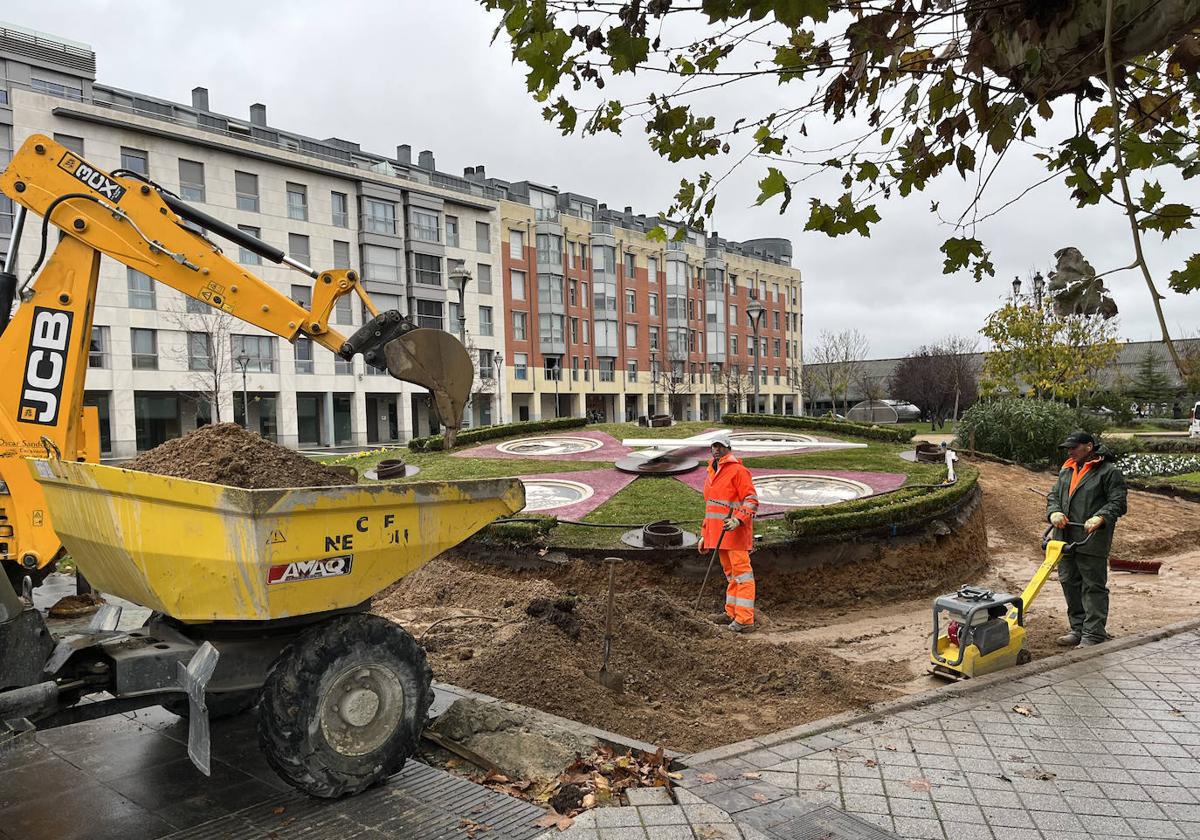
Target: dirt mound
(689,684)
(227,454)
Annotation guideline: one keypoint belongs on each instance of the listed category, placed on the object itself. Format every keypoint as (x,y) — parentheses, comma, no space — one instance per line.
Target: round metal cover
(661,466)
(550,493)
(636,539)
(547,446)
(800,490)
(409,471)
(662,535)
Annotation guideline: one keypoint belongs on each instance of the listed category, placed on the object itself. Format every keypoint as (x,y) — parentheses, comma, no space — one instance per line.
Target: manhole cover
(828,823)
(548,493)
(554,445)
(808,490)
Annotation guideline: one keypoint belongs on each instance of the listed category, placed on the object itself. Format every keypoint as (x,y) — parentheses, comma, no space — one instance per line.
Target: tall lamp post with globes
(756,311)
(653,383)
(243,361)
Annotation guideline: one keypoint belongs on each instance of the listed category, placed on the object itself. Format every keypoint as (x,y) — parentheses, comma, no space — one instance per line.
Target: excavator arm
(44,345)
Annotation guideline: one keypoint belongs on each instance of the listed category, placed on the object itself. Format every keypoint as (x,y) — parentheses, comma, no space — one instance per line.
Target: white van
(1194,429)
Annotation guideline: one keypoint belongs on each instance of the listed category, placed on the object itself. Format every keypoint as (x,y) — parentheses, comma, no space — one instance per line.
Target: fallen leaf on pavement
(760,798)
(277,810)
(870,762)
(707,778)
(821,785)
(752,775)
(1023,710)
(921,785)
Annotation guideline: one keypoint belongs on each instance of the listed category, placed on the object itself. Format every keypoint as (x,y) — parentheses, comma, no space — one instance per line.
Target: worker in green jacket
(1090,492)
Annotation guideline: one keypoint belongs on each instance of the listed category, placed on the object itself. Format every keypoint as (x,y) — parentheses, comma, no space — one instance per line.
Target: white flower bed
(1147,465)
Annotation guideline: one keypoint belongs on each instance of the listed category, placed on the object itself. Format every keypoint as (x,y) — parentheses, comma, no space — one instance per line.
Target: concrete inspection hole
(550,493)
(801,490)
(546,446)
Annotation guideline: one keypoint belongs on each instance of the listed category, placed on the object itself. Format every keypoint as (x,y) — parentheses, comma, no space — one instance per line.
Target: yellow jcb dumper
(259,596)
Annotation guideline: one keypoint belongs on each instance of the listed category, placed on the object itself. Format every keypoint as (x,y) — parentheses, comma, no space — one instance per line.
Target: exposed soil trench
(827,642)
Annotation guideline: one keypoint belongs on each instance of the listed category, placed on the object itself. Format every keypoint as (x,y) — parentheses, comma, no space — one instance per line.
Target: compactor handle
(1070,546)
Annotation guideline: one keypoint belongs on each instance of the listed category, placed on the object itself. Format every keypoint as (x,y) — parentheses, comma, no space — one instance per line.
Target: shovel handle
(708,571)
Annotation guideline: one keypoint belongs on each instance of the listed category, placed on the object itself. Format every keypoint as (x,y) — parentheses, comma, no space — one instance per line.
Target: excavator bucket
(438,361)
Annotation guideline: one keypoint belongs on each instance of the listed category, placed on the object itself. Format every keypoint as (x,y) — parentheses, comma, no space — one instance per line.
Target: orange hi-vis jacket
(729,490)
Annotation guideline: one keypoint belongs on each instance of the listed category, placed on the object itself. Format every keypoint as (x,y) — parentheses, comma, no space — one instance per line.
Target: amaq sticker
(324,567)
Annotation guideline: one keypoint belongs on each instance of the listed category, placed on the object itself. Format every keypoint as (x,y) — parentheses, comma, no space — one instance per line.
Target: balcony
(547,214)
(602,228)
(672,245)
(606,376)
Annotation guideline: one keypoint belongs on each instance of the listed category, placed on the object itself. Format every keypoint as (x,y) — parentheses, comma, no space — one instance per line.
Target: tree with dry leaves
(940,379)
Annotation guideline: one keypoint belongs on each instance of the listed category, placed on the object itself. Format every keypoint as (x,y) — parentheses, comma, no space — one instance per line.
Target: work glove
(1058,520)
(731,522)
(1093,524)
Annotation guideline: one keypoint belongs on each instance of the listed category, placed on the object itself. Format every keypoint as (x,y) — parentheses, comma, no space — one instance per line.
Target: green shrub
(902,507)
(527,532)
(1167,445)
(821,424)
(1122,446)
(1023,430)
(434,443)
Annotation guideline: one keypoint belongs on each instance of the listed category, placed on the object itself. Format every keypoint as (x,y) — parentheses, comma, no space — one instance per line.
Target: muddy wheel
(344,705)
(1024,657)
(220,706)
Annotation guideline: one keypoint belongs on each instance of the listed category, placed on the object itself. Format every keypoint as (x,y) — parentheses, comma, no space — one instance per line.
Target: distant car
(906,412)
(1194,428)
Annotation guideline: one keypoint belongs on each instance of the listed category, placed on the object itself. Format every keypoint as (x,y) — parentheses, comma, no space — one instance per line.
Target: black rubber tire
(220,706)
(1024,657)
(290,731)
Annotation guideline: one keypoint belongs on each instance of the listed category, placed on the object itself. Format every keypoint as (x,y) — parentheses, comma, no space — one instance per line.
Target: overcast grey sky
(411,71)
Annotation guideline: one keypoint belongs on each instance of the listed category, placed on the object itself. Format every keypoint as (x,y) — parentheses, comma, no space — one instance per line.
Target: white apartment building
(160,364)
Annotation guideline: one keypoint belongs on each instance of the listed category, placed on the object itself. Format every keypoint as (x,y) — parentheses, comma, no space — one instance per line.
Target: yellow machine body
(202,552)
(948,660)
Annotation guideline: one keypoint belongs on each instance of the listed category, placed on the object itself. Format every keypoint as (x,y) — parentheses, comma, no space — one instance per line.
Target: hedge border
(435,443)
(819,424)
(907,505)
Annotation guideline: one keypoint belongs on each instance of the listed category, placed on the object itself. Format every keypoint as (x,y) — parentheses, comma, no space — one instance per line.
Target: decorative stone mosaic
(799,490)
(549,493)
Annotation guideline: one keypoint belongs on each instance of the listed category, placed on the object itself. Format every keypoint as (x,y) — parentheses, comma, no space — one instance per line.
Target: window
(775,373)
(631,335)
(380,216)
(426,270)
(340,209)
(549,249)
(516,244)
(652,268)
(587,326)
(483,278)
(733,314)
(143,345)
(56,89)
(246,186)
(733,284)
(141,290)
(341,254)
(75,144)
(630,265)
(191,180)
(135,160)
(583,290)
(631,370)
(452,231)
(259,351)
(304,354)
(193,306)
(381,265)
(429,314)
(485,321)
(98,350)
(247,257)
(733,345)
(582,210)
(573,250)
(550,290)
(519,321)
(298,248)
(574,330)
(520,365)
(454,314)
(343,313)
(483,237)
(297,202)
(424,225)
(775,292)
(517,280)
(551,328)
(302,295)
(486,361)
(583,255)
(776,347)
(630,301)
(199,345)
(653,338)
(653,307)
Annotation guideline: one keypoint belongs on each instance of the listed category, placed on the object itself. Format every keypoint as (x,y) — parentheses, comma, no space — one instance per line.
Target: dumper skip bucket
(205,552)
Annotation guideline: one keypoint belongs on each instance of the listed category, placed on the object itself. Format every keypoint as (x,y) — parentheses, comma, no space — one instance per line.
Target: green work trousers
(1084,579)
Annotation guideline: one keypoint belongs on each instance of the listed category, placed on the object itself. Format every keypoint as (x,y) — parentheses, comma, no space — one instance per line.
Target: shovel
(612,680)
(711,560)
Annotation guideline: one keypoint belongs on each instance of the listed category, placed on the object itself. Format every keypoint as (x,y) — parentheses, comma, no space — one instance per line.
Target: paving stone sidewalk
(1106,747)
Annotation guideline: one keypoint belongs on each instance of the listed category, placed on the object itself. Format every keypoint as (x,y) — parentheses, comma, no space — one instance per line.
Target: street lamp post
(243,361)
(653,383)
(498,364)
(756,310)
(462,275)
(716,369)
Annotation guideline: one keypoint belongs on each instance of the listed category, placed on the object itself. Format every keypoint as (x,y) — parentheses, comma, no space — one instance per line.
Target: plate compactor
(977,631)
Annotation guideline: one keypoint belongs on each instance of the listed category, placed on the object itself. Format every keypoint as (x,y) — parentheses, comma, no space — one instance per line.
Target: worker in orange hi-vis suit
(730,503)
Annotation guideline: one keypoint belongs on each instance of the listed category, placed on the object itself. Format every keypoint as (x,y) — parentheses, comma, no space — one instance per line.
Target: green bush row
(1122,447)
(821,424)
(902,507)
(434,443)
(522,533)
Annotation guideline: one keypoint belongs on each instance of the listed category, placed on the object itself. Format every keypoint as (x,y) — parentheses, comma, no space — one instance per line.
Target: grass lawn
(649,499)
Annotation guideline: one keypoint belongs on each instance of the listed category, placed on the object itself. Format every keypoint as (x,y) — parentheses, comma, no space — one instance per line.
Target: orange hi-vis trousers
(739,593)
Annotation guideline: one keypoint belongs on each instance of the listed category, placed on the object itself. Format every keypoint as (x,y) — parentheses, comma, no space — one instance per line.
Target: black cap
(1076,438)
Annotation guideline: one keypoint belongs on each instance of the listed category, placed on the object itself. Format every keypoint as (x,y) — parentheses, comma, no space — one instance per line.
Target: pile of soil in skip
(689,684)
(225,453)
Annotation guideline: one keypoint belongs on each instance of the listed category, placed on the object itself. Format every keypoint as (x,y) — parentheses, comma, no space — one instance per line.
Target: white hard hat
(723,439)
